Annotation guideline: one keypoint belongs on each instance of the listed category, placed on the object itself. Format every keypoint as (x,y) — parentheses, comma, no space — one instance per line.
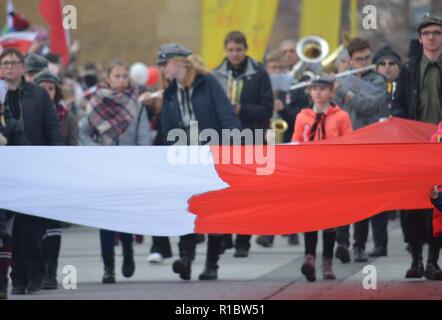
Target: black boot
(50,277)
(109,268)
(416,270)
(183,267)
(3,288)
(210,272)
(128,267)
(433,271)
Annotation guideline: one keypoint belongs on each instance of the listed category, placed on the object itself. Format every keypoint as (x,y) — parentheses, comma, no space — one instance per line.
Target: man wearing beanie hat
(34,63)
(419,97)
(388,63)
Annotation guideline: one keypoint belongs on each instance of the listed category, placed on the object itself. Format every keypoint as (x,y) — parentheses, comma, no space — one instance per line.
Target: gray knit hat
(46,75)
(35,63)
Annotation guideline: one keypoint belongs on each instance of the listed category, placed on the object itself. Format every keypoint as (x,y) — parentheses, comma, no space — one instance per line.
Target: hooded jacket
(336,123)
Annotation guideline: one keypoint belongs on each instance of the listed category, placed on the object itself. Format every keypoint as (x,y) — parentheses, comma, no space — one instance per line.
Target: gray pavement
(267,274)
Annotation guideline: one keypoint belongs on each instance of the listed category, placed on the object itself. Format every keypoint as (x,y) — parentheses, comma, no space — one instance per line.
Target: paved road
(268,273)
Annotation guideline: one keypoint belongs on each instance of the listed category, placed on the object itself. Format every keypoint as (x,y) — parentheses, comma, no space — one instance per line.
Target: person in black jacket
(249,89)
(10,134)
(193,99)
(419,97)
(32,108)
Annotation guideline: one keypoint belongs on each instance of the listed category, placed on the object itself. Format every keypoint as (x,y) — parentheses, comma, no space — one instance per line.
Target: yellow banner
(322,18)
(254,18)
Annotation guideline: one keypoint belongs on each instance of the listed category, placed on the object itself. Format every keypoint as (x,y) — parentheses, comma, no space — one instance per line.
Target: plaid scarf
(112,112)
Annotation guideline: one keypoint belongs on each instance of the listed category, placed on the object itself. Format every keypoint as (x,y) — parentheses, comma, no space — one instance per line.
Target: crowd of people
(43,102)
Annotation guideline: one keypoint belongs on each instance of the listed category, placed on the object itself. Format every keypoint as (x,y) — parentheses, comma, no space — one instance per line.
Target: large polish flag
(148,190)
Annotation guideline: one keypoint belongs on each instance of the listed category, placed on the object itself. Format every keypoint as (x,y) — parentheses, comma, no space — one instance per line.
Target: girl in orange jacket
(324,121)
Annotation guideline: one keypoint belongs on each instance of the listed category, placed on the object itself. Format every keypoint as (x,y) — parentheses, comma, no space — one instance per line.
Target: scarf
(62,111)
(112,112)
(318,127)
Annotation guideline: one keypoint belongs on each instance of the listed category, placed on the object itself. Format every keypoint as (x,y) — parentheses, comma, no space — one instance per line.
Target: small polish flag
(20,40)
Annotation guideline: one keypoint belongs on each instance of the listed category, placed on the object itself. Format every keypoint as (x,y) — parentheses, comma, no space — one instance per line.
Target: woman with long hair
(193,99)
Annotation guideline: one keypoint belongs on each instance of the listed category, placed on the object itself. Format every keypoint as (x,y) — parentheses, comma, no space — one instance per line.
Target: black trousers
(328,242)
(417,226)
(27,255)
(52,242)
(243,241)
(379,224)
(187,247)
(162,246)
(360,234)
(107,241)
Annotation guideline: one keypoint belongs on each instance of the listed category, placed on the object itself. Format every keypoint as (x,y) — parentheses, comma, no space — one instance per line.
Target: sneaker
(308,269)
(342,253)
(327,269)
(155,258)
(241,253)
(183,268)
(378,252)
(433,272)
(416,270)
(360,255)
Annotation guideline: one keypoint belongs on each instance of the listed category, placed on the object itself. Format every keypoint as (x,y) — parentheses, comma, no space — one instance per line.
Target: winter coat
(256,98)
(210,105)
(369,101)
(39,118)
(337,123)
(406,99)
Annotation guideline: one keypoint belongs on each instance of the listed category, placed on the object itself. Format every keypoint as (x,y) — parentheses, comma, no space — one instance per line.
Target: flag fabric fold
(170,191)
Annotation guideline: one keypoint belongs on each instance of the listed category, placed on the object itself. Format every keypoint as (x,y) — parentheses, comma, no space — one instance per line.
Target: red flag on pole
(52,12)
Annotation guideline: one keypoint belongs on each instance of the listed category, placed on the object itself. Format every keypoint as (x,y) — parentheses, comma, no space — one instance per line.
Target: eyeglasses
(288,51)
(362,59)
(433,33)
(13,64)
(385,63)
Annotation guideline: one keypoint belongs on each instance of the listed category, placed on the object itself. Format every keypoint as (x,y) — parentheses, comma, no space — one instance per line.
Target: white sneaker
(155,258)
